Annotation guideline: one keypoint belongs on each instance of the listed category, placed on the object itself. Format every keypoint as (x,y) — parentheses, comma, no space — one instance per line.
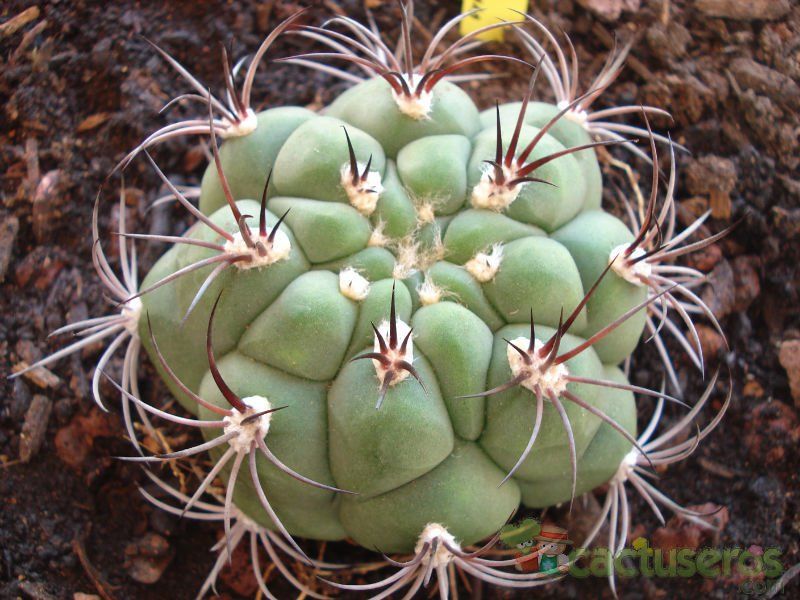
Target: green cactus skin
(288,332)
(247,160)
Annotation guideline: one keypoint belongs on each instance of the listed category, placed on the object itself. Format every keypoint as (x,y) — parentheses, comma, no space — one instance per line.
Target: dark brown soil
(80,86)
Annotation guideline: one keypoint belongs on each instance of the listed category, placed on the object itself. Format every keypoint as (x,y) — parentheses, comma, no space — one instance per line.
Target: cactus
(402,317)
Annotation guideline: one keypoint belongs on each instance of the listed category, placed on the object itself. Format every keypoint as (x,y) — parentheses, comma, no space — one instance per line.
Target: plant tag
(491,11)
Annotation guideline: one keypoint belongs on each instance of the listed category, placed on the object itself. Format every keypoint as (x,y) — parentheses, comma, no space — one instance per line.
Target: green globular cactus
(400,249)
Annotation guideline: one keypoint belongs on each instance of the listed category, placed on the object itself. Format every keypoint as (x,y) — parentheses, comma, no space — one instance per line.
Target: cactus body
(464,278)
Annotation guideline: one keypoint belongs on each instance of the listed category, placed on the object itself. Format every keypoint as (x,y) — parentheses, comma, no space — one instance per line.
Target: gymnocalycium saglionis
(398,318)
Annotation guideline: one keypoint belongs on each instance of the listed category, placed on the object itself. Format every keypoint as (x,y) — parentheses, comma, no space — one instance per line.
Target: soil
(80,86)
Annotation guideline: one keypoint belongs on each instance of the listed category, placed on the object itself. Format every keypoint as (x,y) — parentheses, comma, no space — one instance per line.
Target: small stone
(34,427)
(744,10)
(148,557)
(47,202)
(746,281)
(789,357)
(771,428)
(20,400)
(705,259)
(750,74)
(75,441)
(40,267)
(715,176)
(711,342)
(147,570)
(610,10)
(82,596)
(152,545)
(720,294)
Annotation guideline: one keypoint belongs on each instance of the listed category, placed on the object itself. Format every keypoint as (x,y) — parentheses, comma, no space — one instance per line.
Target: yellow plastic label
(492,11)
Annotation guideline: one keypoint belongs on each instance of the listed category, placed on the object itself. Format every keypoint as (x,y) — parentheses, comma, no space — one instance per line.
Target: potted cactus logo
(540,548)
(520,537)
(551,543)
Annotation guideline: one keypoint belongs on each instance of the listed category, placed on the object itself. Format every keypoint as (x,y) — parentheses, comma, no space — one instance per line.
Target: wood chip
(718,469)
(747,10)
(789,357)
(93,121)
(14,24)
(9,227)
(34,427)
(40,376)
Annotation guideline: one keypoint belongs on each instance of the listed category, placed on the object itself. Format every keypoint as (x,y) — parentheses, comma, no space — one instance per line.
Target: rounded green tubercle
(510,415)
(463,493)
(306,331)
(459,286)
(473,231)
(326,231)
(395,216)
(602,457)
(567,130)
(452,111)
(614,296)
(545,205)
(536,273)
(310,162)
(374,451)
(304,509)
(373,263)
(434,170)
(247,160)
(459,346)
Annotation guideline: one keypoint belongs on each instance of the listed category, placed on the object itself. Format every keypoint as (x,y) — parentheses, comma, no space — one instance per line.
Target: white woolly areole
(416,107)
(578,116)
(442,557)
(279,249)
(406,260)
(429,292)
(394,355)
(132,311)
(484,266)
(352,284)
(632,272)
(553,379)
(626,466)
(252,431)
(242,127)
(377,239)
(365,194)
(425,213)
(487,194)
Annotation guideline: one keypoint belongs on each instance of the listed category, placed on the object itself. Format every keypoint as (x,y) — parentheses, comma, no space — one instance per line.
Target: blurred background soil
(80,86)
